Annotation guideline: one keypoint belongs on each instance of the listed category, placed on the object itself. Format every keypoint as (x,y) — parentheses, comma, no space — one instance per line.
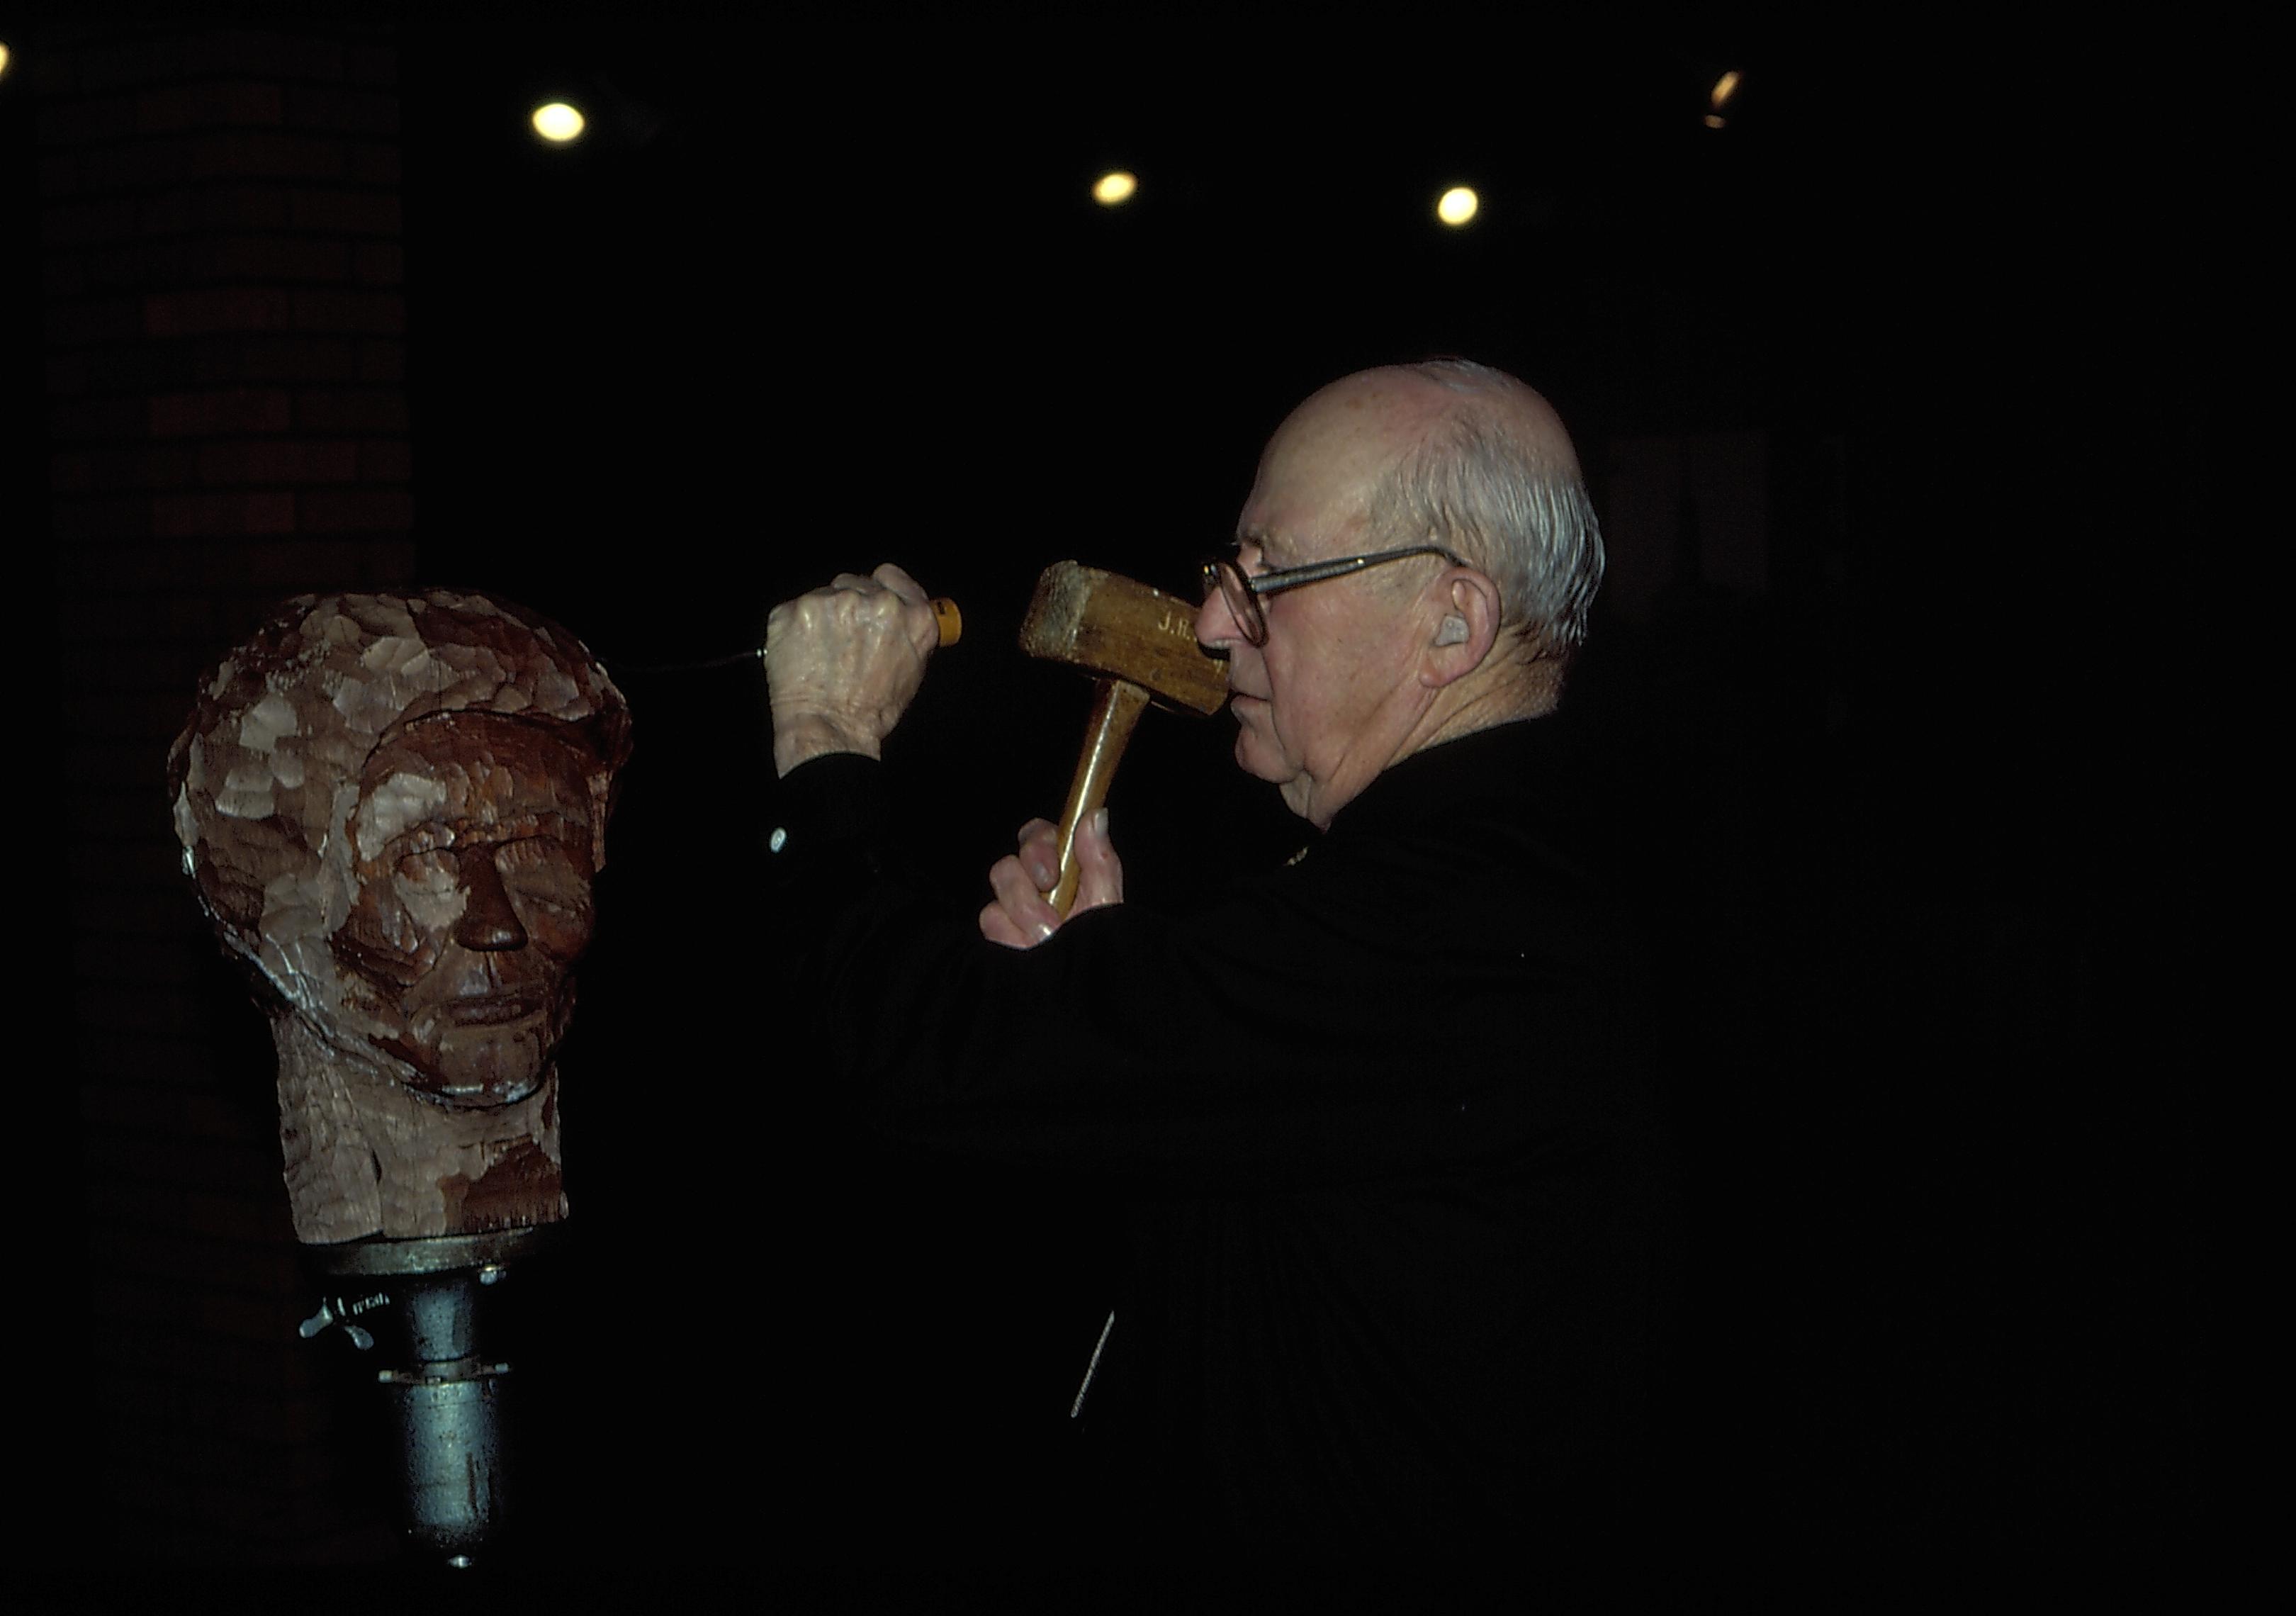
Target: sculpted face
(393,805)
(1327,703)
(474,847)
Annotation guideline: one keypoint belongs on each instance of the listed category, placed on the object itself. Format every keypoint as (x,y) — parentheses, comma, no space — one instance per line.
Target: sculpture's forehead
(485,745)
(464,767)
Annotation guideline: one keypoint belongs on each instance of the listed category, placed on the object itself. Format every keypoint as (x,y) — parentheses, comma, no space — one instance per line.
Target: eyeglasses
(1241,590)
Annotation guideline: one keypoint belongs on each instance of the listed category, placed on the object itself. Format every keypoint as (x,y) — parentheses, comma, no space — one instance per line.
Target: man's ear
(1465,633)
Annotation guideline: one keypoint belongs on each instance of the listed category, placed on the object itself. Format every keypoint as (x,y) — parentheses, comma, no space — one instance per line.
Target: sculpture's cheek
(549,887)
(380,943)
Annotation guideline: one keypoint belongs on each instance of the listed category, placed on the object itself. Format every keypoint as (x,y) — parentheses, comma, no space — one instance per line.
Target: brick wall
(224,327)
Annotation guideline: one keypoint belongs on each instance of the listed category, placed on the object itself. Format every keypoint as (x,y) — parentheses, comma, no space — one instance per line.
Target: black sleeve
(1327,1021)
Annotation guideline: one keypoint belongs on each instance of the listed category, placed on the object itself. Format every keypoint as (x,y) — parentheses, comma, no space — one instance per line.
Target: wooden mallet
(1141,644)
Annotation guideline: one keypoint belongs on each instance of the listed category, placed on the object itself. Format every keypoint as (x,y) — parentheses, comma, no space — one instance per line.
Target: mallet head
(1109,626)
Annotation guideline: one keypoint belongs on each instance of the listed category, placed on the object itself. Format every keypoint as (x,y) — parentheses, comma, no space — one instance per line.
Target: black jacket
(1390,1162)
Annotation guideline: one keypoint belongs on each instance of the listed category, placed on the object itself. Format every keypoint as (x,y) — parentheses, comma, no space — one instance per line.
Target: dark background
(1891,395)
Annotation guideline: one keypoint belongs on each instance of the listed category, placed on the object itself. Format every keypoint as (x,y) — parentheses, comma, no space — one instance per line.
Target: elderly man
(1387,1160)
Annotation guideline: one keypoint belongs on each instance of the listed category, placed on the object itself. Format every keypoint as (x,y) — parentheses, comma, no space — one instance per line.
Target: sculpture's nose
(488,923)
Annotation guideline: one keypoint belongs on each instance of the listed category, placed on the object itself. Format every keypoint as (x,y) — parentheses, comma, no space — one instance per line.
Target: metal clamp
(342,1310)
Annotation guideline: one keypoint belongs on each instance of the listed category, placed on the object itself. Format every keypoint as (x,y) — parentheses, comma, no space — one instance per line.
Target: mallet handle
(1113,714)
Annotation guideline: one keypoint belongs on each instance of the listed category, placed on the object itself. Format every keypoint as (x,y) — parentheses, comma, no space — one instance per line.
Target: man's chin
(1262,761)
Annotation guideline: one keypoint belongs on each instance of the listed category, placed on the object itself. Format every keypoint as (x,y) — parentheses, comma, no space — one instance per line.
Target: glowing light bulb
(558,123)
(1725,87)
(1114,187)
(3,58)
(1458,206)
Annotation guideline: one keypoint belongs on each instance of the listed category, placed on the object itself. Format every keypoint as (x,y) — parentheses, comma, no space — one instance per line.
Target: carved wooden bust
(393,807)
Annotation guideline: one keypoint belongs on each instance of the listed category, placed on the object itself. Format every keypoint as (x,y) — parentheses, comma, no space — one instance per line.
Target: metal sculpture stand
(419,1300)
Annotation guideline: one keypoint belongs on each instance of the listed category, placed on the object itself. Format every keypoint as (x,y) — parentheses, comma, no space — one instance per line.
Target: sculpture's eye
(428,889)
(550,883)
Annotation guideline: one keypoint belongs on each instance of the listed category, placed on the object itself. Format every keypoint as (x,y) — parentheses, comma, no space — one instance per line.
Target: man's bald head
(1462,455)
(1449,496)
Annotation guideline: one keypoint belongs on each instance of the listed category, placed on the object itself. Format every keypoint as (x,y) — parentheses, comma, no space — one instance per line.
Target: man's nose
(488,923)
(1216,626)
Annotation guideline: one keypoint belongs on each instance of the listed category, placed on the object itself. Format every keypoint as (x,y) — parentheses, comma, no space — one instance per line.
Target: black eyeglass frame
(1241,590)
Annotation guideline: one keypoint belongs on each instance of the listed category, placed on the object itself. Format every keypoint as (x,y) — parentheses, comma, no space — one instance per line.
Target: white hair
(1482,487)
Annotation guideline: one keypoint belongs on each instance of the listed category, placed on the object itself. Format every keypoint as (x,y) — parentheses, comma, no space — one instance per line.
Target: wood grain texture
(393,807)
(1109,625)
